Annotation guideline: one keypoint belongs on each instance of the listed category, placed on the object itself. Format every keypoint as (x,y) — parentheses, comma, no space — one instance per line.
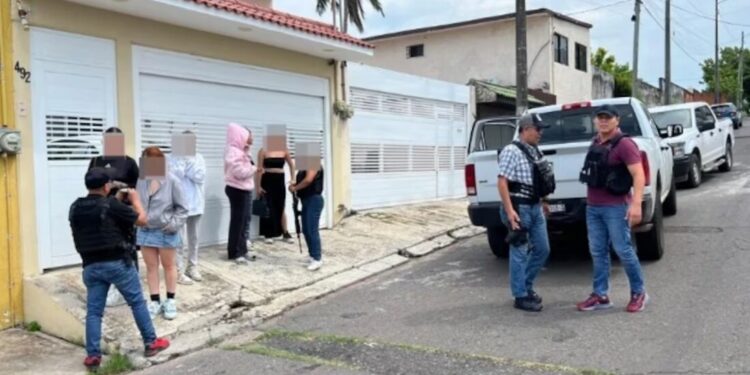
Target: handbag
(260,207)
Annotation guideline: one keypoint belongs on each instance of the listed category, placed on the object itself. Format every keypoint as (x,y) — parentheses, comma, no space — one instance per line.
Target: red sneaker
(92,362)
(157,346)
(637,302)
(594,302)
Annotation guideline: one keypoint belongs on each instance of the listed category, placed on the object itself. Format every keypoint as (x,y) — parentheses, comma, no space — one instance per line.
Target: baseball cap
(529,120)
(97,177)
(608,110)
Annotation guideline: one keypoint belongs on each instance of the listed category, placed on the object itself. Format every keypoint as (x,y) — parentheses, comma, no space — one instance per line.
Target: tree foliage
(621,72)
(729,62)
(355,11)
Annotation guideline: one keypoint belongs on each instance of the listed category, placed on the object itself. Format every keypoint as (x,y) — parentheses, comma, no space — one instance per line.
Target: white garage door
(73,101)
(176,92)
(405,148)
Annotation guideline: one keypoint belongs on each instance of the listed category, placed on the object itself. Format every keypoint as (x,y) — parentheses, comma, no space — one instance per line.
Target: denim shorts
(157,238)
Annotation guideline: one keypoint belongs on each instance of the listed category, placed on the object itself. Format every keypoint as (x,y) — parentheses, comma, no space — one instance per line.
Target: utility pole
(668,58)
(521,77)
(637,20)
(717,82)
(740,77)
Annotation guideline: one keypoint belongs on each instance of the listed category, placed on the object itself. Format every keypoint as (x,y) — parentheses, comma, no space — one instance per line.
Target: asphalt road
(451,312)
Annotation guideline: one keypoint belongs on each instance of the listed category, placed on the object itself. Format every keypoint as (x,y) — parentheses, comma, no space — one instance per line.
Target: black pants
(239,201)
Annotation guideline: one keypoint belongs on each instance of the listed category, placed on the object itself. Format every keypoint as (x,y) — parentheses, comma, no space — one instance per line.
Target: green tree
(621,72)
(729,62)
(355,11)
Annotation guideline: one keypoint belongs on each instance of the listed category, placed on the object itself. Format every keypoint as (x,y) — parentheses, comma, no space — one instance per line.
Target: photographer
(101,225)
(524,180)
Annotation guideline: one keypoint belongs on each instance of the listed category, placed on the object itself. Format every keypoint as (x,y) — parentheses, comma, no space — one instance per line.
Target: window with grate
(416,50)
(400,105)
(423,159)
(365,100)
(73,137)
(365,158)
(444,158)
(395,104)
(395,158)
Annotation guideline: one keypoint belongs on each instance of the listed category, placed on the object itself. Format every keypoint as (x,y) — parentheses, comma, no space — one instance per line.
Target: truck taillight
(570,106)
(471,179)
(646,168)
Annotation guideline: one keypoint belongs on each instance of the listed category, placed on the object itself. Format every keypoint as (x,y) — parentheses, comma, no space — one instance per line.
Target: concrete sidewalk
(233,298)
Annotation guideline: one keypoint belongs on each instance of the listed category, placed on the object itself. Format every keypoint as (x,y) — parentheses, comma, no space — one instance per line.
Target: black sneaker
(535,297)
(527,304)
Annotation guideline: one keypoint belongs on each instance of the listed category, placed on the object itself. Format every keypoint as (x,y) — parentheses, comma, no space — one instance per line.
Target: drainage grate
(695,230)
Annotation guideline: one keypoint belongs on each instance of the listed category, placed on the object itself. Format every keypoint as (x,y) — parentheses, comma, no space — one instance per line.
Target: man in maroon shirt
(611,214)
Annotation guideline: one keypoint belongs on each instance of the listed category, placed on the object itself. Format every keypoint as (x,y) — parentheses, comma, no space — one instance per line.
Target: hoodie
(238,168)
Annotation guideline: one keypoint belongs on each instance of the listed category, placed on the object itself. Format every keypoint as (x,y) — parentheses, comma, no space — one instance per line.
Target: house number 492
(25,74)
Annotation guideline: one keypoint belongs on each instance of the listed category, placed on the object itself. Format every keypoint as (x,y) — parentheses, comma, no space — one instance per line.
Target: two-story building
(484,49)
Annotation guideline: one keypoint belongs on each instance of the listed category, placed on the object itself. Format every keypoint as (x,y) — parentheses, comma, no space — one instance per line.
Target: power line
(709,18)
(597,8)
(686,29)
(674,40)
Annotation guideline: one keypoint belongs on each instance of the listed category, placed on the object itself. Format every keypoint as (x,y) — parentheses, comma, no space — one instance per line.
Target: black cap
(608,110)
(529,120)
(97,177)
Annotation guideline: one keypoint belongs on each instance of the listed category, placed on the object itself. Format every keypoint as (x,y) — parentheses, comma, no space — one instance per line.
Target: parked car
(728,110)
(704,143)
(566,144)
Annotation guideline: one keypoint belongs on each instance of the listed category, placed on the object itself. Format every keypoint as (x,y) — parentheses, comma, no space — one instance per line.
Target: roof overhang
(199,17)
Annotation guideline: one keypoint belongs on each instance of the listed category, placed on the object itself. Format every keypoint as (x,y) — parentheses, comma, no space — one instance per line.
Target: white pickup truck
(705,142)
(566,144)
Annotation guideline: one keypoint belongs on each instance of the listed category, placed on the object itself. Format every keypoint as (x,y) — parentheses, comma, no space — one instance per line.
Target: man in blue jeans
(612,167)
(524,211)
(100,226)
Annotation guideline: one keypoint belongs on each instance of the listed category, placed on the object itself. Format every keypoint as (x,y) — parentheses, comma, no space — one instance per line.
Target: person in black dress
(273,188)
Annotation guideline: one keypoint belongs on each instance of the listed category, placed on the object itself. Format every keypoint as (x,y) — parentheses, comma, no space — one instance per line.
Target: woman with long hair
(163,198)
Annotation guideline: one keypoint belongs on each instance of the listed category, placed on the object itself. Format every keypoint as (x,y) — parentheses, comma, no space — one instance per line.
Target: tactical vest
(94,230)
(315,187)
(598,173)
(543,176)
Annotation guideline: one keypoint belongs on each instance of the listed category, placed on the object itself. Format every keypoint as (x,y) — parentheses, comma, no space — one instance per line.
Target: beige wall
(127,31)
(487,51)
(571,84)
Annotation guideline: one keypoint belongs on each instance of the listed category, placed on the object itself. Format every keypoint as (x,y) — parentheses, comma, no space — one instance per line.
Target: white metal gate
(73,101)
(189,98)
(408,138)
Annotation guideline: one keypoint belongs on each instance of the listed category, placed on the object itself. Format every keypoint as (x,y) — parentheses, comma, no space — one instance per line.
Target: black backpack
(542,171)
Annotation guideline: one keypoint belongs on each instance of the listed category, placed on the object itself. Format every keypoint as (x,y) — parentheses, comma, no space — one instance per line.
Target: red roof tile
(283,19)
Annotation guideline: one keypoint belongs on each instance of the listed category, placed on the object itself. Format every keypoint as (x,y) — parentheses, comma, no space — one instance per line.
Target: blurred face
(531,135)
(606,124)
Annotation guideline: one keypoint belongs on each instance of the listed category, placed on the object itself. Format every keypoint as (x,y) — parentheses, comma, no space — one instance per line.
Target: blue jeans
(312,207)
(608,225)
(528,259)
(97,277)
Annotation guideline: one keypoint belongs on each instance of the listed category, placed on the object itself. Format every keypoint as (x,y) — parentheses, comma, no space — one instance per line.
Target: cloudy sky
(692,26)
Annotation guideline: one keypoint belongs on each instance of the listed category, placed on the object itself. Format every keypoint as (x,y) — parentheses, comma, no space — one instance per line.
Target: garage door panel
(409,187)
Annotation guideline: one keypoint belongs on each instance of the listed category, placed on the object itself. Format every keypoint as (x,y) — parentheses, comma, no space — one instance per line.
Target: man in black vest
(101,225)
(524,211)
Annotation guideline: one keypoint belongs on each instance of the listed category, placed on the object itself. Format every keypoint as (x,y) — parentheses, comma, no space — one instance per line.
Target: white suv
(705,142)
(566,144)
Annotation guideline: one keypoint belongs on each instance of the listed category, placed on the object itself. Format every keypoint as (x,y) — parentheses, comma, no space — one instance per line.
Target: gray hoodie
(166,209)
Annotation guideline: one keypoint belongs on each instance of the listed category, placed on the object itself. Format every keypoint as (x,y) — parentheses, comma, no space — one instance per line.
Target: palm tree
(353,13)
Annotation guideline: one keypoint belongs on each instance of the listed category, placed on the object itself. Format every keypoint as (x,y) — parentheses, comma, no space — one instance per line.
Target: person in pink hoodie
(239,172)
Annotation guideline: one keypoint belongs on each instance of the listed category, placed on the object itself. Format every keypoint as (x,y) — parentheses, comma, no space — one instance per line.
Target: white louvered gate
(172,104)
(408,138)
(73,101)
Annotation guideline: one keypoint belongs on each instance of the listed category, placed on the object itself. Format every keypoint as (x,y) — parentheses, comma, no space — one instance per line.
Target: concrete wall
(602,85)
(485,51)
(569,83)
(649,95)
(127,31)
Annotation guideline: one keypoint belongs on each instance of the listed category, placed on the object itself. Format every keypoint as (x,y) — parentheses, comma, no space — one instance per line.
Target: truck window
(677,116)
(578,126)
(493,135)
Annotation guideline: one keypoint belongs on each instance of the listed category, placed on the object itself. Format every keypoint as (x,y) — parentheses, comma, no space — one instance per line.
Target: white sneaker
(184,280)
(194,274)
(315,265)
(242,261)
(170,309)
(269,241)
(249,245)
(114,298)
(154,309)
(251,257)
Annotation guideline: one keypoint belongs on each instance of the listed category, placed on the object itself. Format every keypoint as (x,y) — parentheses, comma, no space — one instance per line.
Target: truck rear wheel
(496,238)
(650,245)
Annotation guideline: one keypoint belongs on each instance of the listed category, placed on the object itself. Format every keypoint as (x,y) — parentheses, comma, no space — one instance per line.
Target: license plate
(555,208)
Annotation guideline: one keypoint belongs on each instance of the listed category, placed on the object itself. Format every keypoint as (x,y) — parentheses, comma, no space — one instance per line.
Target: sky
(692,26)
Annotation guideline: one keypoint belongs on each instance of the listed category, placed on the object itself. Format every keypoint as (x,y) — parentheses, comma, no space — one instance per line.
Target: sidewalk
(234,298)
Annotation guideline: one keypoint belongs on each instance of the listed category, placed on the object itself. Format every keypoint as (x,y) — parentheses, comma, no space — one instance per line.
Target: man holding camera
(525,178)
(101,225)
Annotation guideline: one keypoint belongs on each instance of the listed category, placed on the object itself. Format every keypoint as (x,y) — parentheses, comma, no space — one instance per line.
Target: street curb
(242,320)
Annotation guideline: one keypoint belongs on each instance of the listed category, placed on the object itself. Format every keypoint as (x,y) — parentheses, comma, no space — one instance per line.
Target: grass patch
(33,326)
(214,341)
(117,364)
(284,354)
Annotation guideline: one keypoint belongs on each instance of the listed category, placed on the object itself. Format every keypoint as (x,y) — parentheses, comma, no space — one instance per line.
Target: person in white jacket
(191,172)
